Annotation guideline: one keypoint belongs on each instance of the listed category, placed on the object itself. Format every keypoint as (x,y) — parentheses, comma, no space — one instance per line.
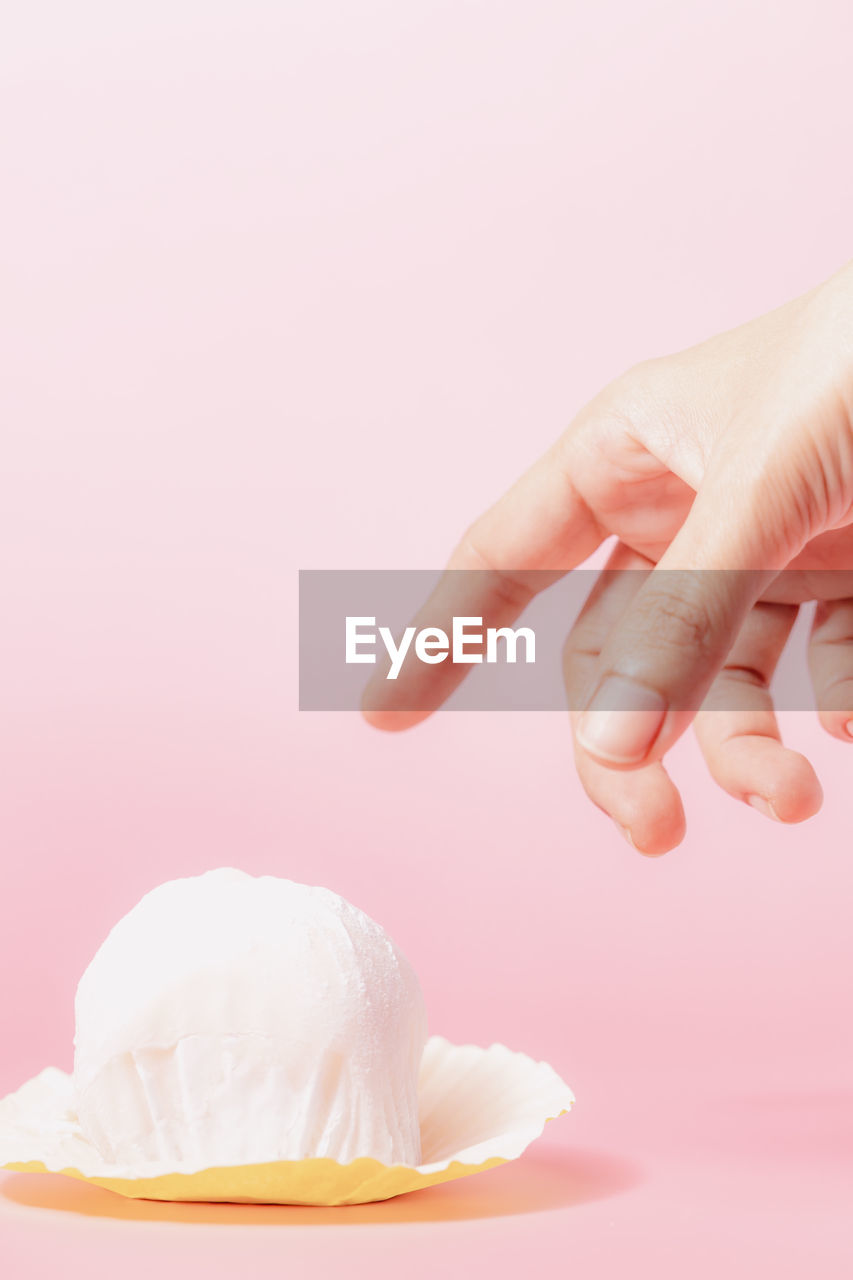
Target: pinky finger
(831,666)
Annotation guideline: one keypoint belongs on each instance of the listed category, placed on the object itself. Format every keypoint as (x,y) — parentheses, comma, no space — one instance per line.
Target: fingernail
(627,834)
(622,721)
(849,728)
(763,806)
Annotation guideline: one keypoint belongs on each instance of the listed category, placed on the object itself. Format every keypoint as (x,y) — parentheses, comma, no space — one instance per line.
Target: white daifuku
(232,1019)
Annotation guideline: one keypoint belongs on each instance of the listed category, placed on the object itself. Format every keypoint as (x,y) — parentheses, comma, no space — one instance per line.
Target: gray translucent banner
(482,641)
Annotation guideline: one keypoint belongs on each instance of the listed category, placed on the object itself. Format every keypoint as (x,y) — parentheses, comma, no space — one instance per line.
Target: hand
(736,454)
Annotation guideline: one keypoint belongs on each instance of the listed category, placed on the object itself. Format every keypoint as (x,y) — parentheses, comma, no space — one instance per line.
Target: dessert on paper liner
(250,1039)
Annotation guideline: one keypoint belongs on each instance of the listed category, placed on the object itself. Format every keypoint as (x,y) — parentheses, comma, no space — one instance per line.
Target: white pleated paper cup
(478,1108)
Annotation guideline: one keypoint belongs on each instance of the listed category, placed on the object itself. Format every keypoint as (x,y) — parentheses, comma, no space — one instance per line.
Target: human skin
(736,454)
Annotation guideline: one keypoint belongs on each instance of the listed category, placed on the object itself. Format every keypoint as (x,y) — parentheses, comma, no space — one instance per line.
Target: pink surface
(306,285)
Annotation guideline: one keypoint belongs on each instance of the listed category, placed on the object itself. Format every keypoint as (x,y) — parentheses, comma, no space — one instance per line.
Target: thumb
(674,637)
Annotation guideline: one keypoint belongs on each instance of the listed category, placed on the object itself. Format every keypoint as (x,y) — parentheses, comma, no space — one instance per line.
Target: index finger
(533,535)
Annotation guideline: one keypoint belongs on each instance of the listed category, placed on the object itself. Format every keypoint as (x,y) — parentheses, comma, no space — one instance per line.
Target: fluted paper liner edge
(478,1108)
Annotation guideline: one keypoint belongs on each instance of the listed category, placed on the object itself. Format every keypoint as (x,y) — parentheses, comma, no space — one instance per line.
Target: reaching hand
(733,455)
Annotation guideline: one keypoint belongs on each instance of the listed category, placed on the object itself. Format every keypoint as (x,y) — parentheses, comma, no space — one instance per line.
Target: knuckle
(637,386)
(676,620)
(509,589)
(584,640)
(630,403)
(472,551)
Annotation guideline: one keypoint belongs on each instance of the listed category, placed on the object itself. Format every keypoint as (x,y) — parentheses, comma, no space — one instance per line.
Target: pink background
(305,285)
